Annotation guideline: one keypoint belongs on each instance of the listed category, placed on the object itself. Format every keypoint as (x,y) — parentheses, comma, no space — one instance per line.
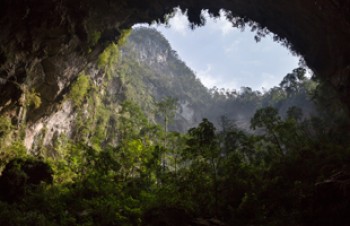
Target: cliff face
(45,131)
(155,72)
(44,45)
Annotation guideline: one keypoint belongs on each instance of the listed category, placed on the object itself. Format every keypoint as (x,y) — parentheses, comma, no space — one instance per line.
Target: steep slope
(87,114)
(155,72)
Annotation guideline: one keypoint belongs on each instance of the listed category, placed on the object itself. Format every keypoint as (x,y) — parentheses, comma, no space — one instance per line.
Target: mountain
(155,71)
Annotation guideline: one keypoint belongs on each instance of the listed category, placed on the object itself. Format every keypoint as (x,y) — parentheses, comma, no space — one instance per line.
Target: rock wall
(44,131)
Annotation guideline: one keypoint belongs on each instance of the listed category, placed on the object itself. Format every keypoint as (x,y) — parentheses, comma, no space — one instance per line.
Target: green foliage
(132,120)
(94,37)
(108,59)
(16,148)
(203,140)
(10,147)
(265,117)
(239,178)
(79,89)
(5,126)
(167,107)
(121,168)
(124,36)
(295,113)
(32,98)
(109,56)
(166,110)
(291,82)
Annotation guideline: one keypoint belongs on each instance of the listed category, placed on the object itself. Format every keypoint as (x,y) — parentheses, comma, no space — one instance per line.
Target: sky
(226,57)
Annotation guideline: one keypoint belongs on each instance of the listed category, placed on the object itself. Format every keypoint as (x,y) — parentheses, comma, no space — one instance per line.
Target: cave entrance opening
(226,56)
(242,68)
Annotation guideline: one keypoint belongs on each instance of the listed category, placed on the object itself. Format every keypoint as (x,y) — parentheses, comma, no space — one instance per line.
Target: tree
(291,82)
(265,118)
(269,119)
(167,110)
(202,138)
(295,113)
(203,144)
(132,120)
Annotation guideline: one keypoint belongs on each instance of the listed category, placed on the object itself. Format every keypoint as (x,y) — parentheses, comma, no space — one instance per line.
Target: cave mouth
(48,43)
(226,57)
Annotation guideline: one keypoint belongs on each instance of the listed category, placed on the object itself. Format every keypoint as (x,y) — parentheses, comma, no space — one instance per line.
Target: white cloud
(225,25)
(210,78)
(179,23)
(233,47)
(220,24)
(231,84)
(269,80)
(226,57)
(206,77)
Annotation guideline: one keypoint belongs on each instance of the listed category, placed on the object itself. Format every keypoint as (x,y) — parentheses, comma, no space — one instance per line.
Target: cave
(45,44)
(48,46)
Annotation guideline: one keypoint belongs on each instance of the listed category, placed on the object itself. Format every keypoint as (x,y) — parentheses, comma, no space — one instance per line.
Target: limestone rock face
(47,129)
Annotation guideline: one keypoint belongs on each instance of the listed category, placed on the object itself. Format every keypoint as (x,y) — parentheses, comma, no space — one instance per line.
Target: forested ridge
(275,158)
(158,73)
